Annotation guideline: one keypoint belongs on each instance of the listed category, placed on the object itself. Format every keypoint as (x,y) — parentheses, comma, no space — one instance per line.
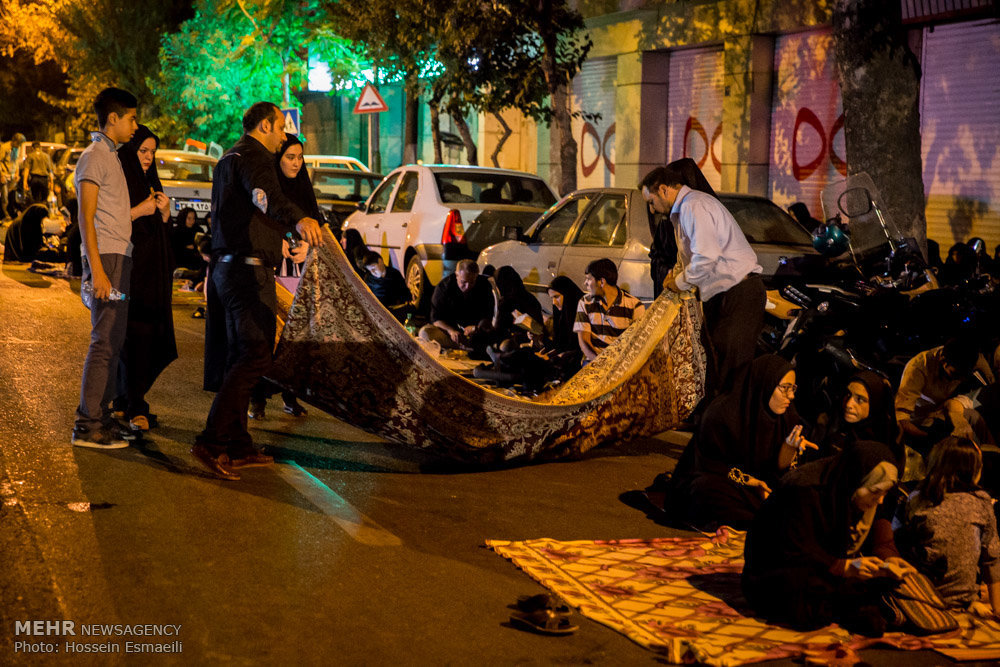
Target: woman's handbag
(918,608)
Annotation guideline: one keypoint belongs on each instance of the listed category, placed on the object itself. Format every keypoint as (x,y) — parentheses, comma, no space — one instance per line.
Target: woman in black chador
(866,412)
(747,438)
(149,336)
(806,563)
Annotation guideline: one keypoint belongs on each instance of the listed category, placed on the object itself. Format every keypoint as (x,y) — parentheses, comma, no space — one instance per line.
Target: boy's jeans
(107,320)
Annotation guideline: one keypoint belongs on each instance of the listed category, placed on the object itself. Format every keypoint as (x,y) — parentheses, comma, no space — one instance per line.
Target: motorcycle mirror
(855,202)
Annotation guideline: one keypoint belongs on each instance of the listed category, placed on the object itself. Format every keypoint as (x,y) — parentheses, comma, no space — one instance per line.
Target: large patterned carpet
(343,352)
(681,597)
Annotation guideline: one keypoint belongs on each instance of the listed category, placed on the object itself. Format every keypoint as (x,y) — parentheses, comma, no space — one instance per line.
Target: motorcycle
(886,308)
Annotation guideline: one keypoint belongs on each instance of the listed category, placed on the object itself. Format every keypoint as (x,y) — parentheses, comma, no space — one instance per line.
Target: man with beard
(250,217)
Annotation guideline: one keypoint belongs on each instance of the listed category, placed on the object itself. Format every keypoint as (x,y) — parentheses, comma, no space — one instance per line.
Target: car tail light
(454,230)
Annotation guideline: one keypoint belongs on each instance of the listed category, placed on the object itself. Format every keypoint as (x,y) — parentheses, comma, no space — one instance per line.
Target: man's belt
(241,259)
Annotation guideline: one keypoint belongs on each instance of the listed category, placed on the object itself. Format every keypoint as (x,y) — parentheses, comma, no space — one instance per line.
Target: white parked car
(186,179)
(427,217)
(335,162)
(595,223)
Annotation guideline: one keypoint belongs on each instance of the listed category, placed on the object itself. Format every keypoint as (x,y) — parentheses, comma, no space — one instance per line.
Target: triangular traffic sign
(370,101)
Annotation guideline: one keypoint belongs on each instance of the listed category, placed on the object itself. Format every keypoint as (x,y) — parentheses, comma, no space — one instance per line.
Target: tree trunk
(880,88)
(471,152)
(565,166)
(410,126)
(503,139)
(563,125)
(435,129)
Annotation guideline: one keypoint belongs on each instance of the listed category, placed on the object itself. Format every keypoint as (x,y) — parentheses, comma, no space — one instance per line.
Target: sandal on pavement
(544,621)
(532,603)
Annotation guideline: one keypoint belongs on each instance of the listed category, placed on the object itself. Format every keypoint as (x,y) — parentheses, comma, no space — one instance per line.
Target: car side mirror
(513,233)
(363,206)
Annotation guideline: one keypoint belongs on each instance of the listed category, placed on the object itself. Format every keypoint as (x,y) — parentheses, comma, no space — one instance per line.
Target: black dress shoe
(217,465)
(251,459)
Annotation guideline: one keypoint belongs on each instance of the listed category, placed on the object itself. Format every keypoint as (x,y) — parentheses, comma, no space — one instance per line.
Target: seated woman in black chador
(514,303)
(804,551)
(747,438)
(24,236)
(867,412)
(563,346)
(355,249)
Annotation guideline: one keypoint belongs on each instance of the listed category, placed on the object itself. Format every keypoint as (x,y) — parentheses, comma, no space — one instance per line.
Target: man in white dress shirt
(715,258)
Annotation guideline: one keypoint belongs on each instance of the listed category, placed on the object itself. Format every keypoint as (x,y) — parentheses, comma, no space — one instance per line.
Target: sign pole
(371,103)
(373,144)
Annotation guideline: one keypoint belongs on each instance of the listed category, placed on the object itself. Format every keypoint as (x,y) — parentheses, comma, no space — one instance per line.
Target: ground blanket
(343,352)
(681,597)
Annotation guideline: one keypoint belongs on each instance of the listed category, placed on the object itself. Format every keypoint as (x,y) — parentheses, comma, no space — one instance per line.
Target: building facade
(749,90)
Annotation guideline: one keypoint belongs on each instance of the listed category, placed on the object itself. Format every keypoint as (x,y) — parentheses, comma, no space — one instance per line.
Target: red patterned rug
(681,597)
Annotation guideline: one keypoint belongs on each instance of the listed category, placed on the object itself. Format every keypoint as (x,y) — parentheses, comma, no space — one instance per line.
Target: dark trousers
(39,186)
(734,320)
(247,296)
(108,320)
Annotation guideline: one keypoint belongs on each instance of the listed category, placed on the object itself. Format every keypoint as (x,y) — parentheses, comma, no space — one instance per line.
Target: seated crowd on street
(892,477)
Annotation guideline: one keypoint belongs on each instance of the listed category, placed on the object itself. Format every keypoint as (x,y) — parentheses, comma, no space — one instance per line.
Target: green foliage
(234,53)
(394,36)
(117,41)
(211,71)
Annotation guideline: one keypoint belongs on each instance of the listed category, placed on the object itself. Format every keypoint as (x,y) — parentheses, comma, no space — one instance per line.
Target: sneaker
(101,438)
(120,431)
(139,423)
(295,410)
(256,411)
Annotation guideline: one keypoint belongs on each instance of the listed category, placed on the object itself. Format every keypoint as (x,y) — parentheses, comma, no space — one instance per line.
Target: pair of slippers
(543,613)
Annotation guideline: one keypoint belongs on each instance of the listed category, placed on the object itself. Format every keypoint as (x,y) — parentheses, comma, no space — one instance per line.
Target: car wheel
(416,280)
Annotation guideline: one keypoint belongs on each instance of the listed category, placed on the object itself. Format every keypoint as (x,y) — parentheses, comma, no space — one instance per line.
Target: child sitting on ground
(949,530)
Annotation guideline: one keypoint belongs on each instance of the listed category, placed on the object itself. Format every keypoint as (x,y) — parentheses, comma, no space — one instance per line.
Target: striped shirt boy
(606,324)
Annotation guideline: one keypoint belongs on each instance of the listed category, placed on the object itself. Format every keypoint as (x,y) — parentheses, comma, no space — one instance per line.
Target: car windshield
(462,187)
(74,157)
(179,169)
(346,187)
(762,221)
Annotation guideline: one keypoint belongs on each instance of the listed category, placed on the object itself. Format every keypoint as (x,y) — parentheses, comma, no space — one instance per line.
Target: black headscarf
(140,183)
(563,337)
(24,236)
(739,429)
(299,189)
(513,296)
(354,248)
(880,425)
(692,175)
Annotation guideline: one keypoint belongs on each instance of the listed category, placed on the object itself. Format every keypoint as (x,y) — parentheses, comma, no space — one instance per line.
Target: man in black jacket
(250,217)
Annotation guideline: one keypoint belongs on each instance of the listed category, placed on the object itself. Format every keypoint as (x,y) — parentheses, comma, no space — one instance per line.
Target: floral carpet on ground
(681,597)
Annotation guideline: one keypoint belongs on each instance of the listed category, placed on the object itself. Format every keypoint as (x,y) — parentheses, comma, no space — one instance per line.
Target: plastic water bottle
(87,294)
(410,327)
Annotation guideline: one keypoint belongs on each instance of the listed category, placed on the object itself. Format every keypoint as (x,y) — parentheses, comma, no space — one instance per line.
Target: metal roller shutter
(807,120)
(594,92)
(694,114)
(960,132)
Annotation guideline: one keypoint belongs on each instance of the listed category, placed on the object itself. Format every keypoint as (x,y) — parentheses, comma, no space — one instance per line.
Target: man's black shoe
(217,465)
(251,458)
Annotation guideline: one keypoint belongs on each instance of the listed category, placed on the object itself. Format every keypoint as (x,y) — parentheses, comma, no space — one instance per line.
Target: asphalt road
(348,551)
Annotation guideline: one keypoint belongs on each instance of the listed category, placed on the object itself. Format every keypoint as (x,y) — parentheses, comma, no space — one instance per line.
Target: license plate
(199,206)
